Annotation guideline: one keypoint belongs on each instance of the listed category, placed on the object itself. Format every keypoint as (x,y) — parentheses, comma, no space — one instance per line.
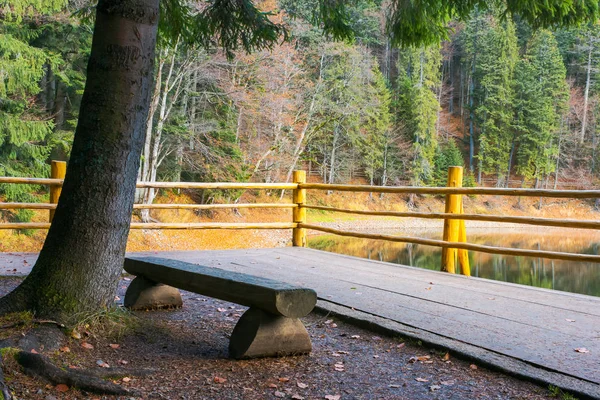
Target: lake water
(569,276)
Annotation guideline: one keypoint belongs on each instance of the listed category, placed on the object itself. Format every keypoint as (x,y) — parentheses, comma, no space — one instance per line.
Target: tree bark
(81,261)
(587,91)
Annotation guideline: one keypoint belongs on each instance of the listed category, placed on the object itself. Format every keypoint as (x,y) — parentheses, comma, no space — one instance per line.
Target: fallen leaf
(401,345)
(421,380)
(114,346)
(333,325)
(272,386)
(297,397)
(333,397)
(33,351)
(473,366)
(126,379)
(284,379)
(433,388)
(423,358)
(279,394)
(65,349)
(75,334)
(86,345)
(446,357)
(218,379)
(301,385)
(582,350)
(102,364)
(61,388)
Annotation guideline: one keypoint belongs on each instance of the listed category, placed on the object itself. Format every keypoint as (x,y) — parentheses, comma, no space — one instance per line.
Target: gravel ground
(188,350)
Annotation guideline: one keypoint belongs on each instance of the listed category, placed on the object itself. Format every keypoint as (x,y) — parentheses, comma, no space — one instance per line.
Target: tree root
(35,321)
(3,388)
(40,367)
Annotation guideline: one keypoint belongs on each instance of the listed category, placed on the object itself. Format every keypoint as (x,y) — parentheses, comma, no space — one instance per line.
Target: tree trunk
(587,91)
(80,264)
(510,158)
(59,106)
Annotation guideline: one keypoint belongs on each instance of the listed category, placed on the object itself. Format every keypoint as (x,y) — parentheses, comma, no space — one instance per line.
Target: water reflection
(570,276)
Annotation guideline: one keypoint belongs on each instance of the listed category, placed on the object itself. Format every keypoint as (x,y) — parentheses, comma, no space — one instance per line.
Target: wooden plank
(455,283)
(273,296)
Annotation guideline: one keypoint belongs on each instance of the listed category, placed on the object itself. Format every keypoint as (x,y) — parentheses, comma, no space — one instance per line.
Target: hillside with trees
(517,107)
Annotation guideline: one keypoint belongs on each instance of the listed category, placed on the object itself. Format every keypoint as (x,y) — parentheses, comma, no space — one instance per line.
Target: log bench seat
(271,325)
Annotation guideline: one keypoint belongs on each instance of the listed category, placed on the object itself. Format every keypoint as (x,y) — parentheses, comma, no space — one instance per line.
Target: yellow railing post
(463,255)
(451,226)
(58,169)
(299,213)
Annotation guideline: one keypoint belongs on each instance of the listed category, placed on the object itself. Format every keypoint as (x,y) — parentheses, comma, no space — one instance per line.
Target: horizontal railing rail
(563,223)
(572,194)
(459,245)
(299,207)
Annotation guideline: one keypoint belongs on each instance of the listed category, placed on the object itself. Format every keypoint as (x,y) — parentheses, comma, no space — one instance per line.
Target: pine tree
(25,126)
(540,99)
(447,155)
(419,70)
(497,57)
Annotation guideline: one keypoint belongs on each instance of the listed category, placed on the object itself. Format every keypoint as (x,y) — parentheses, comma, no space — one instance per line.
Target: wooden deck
(522,330)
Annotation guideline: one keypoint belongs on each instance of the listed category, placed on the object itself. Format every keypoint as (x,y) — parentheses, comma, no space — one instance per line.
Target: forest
(516,106)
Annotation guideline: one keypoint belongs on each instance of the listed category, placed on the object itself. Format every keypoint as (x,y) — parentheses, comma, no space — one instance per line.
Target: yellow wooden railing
(454,242)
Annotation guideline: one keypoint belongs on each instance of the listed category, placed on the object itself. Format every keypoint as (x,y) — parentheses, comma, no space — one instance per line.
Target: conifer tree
(540,99)
(23,128)
(497,56)
(418,70)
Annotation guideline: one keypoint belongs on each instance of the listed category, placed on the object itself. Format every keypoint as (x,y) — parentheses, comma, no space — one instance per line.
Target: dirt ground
(187,351)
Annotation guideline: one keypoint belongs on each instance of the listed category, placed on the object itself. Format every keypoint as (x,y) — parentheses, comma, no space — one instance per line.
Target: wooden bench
(270,327)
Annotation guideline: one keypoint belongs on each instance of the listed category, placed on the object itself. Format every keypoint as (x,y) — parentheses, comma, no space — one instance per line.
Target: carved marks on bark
(143,12)
(115,57)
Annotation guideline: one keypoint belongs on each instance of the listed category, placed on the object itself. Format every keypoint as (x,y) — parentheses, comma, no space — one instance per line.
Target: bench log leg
(261,334)
(144,294)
